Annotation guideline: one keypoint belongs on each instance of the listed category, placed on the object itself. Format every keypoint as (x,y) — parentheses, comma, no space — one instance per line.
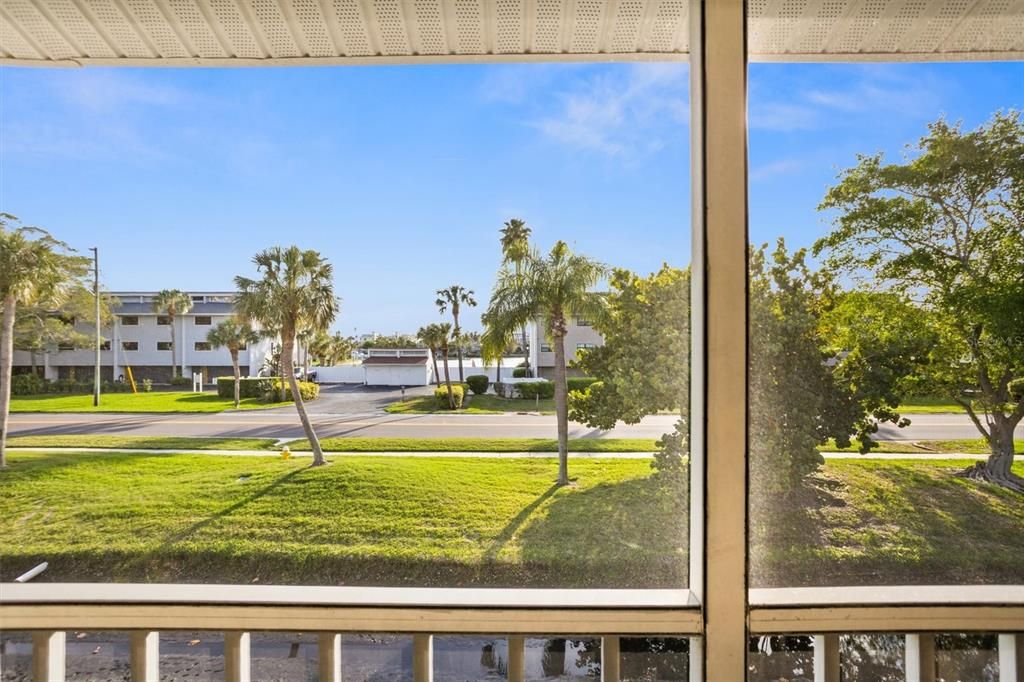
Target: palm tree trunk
(497,373)
(280,372)
(458,349)
(238,375)
(437,374)
(300,407)
(174,350)
(561,404)
(6,365)
(526,351)
(448,382)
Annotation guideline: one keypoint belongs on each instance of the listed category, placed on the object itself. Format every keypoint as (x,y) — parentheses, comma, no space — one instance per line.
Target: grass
(930,405)
(476,404)
(460,522)
(158,401)
(890,522)
(142,442)
(971,446)
(451,521)
(478,445)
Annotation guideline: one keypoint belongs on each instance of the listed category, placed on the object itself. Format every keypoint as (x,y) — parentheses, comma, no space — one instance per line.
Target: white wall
(340,374)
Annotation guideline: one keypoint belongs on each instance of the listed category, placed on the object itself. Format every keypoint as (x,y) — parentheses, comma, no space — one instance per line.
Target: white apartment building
(580,335)
(140,338)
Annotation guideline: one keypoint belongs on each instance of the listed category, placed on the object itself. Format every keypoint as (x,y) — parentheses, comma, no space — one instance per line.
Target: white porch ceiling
(238,32)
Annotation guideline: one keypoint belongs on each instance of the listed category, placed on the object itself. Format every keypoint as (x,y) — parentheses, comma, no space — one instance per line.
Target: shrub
(181,381)
(307,389)
(441,394)
(28,384)
(519,373)
(147,385)
(115,387)
(478,383)
(536,389)
(580,383)
(249,387)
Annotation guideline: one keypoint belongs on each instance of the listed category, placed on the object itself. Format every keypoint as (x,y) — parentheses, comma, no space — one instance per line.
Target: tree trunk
(300,406)
(997,468)
(280,372)
(6,366)
(437,374)
(238,375)
(174,350)
(458,334)
(448,382)
(526,351)
(497,373)
(561,399)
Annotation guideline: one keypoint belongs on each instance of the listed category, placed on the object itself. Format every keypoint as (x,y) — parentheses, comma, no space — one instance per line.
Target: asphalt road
(284,423)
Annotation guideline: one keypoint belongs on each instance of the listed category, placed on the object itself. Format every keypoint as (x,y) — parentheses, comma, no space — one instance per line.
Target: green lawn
(476,404)
(863,522)
(972,446)
(142,442)
(929,405)
(443,521)
(460,522)
(478,445)
(158,401)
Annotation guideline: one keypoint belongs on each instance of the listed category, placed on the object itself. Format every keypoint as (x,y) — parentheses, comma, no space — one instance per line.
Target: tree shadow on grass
(888,524)
(628,534)
(230,509)
(517,521)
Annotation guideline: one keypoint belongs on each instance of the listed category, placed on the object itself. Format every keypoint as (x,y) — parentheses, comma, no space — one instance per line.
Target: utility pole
(96,295)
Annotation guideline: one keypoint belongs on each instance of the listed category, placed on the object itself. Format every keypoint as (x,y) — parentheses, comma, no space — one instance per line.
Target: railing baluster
(516,658)
(145,656)
(826,658)
(329,645)
(1011,667)
(48,656)
(610,659)
(920,658)
(423,658)
(237,660)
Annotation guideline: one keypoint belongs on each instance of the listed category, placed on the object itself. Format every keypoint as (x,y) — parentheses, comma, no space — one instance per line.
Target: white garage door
(392,375)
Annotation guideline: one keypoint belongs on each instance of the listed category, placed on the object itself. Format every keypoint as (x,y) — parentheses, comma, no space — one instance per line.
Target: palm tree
(495,342)
(296,291)
(432,336)
(444,339)
(551,288)
(455,297)
(35,269)
(515,249)
(173,302)
(234,335)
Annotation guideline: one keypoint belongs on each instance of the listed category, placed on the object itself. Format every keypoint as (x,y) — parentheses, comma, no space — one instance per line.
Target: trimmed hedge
(519,373)
(33,384)
(580,383)
(478,383)
(181,381)
(307,389)
(28,384)
(536,389)
(249,387)
(441,394)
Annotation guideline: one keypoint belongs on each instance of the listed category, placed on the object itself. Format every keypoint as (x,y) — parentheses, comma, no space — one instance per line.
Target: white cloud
(626,111)
(104,91)
(776,168)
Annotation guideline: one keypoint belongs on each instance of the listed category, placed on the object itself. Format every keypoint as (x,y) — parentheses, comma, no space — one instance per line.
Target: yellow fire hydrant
(286,452)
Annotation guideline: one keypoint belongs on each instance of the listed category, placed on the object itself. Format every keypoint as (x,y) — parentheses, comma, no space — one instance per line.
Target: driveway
(357,399)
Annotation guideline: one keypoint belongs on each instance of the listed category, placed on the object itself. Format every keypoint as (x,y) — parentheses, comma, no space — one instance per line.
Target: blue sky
(402,176)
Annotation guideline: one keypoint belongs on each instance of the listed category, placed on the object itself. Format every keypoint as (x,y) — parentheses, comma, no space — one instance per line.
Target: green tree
(35,270)
(42,328)
(391,341)
(233,334)
(644,365)
(945,228)
(295,291)
(434,336)
(495,343)
(515,249)
(551,288)
(173,302)
(455,297)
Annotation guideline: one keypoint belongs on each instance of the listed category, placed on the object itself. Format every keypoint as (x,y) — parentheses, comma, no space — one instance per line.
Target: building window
(203,321)
(163,345)
(198,299)
(105,345)
(130,321)
(65,346)
(163,319)
(583,322)
(545,348)
(585,346)
(129,345)
(203,345)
